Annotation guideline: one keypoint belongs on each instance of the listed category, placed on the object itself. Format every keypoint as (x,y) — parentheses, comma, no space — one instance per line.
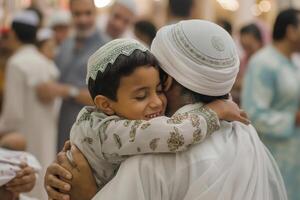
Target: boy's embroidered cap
(109,53)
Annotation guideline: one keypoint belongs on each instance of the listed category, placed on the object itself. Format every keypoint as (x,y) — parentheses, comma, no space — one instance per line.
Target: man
(60,23)
(119,20)
(22,111)
(271,96)
(71,61)
(231,164)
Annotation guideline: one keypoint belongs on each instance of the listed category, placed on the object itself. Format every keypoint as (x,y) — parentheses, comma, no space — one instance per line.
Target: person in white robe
(22,110)
(232,164)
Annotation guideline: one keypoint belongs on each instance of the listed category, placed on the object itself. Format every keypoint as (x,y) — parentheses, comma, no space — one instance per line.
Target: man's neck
(284,47)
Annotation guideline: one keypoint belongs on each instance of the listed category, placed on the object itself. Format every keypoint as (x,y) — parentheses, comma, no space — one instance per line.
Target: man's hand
(57,178)
(56,182)
(23,182)
(83,184)
(229,111)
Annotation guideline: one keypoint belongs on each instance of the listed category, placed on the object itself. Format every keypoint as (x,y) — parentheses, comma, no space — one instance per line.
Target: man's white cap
(44,34)
(60,17)
(27,17)
(129,4)
(198,54)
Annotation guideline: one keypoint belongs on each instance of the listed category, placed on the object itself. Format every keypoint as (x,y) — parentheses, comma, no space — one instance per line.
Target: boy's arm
(121,138)
(158,135)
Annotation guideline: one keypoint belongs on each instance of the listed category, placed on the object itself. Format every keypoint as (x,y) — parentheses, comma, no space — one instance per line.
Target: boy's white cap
(129,4)
(60,17)
(44,34)
(27,17)
(108,54)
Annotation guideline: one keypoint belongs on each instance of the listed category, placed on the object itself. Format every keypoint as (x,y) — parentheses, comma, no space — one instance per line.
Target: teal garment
(271,97)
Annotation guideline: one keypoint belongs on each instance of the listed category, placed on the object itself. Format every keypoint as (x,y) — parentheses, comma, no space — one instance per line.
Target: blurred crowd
(43,69)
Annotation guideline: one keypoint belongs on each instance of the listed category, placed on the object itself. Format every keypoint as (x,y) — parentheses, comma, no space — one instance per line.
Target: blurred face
(140,95)
(250,44)
(84,16)
(119,20)
(61,32)
(48,49)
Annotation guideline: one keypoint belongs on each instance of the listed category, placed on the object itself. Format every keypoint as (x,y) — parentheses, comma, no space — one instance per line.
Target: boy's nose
(156,101)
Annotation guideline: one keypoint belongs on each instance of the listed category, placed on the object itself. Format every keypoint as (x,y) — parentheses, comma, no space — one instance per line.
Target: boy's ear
(104,104)
(168,83)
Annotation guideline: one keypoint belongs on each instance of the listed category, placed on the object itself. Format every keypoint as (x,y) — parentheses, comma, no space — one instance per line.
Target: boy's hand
(229,111)
(24,181)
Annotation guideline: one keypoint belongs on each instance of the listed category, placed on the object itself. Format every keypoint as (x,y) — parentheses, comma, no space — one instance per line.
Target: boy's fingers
(53,194)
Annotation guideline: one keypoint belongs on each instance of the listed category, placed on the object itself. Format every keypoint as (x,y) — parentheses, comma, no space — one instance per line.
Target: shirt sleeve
(13,101)
(257,98)
(158,135)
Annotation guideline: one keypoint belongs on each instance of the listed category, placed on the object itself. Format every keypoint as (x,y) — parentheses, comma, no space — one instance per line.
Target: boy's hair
(25,33)
(284,19)
(108,82)
(252,29)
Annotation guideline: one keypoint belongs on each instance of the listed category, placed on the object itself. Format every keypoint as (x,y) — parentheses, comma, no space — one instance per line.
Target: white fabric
(60,17)
(203,59)
(44,34)
(27,17)
(22,110)
(232,164)
(129,4)
(10,163)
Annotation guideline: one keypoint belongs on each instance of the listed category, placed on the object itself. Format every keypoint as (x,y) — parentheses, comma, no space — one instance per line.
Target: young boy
(125,81)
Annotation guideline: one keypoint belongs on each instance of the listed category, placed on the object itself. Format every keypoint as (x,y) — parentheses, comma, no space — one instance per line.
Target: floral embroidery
(118,140)
(138,149)
(102,130)
(197,136)
(195,120)
(211,118)
(176,140)
(87,140)
(85,116)
(153,144)
(132,132)
(126,123)
(178,118)
(145,125)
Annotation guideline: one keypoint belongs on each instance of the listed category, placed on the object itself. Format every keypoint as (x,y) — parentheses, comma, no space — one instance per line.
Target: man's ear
(168,83)
(104,104)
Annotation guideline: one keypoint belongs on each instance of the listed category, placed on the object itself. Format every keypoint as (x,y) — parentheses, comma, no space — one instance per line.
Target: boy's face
(140,95)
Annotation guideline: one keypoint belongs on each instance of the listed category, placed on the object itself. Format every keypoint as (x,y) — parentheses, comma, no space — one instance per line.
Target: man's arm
(50,90)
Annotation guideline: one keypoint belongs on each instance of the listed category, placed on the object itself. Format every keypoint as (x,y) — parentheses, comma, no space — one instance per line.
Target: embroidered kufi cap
(198,54)
(109,53)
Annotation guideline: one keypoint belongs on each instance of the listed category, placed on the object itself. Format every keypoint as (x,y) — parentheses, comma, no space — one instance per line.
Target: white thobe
(232,164)
(22,110)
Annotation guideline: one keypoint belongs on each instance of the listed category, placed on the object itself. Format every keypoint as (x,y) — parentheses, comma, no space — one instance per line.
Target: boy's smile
(140,95)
